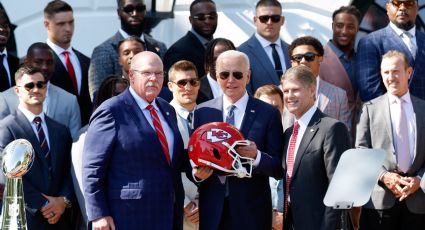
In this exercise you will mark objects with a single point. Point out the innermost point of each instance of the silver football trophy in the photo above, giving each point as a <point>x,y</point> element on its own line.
<point>17,160</point>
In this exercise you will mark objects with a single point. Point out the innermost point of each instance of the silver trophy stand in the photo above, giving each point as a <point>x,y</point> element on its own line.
<point>355,177</point>
<point>17,160</point>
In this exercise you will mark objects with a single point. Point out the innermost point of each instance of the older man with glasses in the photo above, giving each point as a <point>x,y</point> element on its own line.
<point>402,35</point>
<point>231,202</point>
<point>330,99</point>
<point>267,53</point>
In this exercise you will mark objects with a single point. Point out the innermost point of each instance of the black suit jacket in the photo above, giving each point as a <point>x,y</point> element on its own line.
<point>186,48</point>
<point>321,146</point>
<point>205,93</point>
<point>39,180</point>
<point>62,79</point>
<point>13,62</point>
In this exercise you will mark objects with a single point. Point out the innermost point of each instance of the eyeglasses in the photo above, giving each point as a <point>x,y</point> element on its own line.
<point>130,8</point>
<point>226,74</point>
<point>307,56</point>
<point>203,17</point>
<point>407,4</point>
<point>31,85</point>
<point>182,83</point>
<point>147,74</point>
<point>265,18</point>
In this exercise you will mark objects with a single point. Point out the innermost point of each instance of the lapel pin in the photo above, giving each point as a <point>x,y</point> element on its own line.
<point>252,111</point>
<point>311,130</point>
<point>168,114</point>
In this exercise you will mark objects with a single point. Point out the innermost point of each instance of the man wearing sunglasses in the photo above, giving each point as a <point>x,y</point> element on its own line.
<point>47,186</point>
<point>9,63</point>
<point>184,84</point>
<point>401,34</point>
<point>104,59</point>
<point>330,99</point>
<point>203,18</point>
<point>231,202</point>
<point>267,53</point>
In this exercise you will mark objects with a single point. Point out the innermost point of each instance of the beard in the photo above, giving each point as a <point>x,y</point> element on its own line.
<point>404,25</point>
<point>133,30</point>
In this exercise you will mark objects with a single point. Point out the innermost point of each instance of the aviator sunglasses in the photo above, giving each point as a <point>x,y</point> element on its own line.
<point>226,74</point>
<point>130,9</point>
<point>182,83</point>
<point>307,56</point>
<point>203,17</point>
<point>31,85</point>
<point>265,18</point>
<point>407,4</point>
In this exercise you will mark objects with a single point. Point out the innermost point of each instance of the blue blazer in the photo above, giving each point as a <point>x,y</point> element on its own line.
<point>126,175</point>
<point>368,61</point>
<point>262,69</point>
<point>249,198</point>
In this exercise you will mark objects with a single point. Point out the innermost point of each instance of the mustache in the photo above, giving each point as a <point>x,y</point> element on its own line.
<point>402,13</point>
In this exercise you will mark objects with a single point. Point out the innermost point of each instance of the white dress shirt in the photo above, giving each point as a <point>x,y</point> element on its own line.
<point>403,37</point>
<point>6,65</point>
<point>215,87</point>
<point>268,49</point>
<point>30,117</point>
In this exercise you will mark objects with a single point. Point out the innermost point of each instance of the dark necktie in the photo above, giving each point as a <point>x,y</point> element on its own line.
<point>4,78</point>
<point>43,141</point>
<point>290,163</point>
<point>189,121</point>
<point>276,60</point>
<point>71,72</point>
<point>230,118</point>
<point>159,132</point>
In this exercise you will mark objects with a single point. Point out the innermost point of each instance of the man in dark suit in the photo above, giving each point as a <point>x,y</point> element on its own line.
<point>104,59</point>
<point>401,34</point>
<point>191,47</point>
<point>8,62</point>
<point>313,146</point>
<point>47,185</point>
<point>395,122</point>
<point>71,66</point>
<point>231,202</point>
<point>132,178</point>
<point>267,53</point>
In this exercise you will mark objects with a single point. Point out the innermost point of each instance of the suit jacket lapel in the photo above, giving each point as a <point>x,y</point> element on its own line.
<point>387,118</point>
<point>420,120</point>
<point>258,51</point>
<point>309,133</point>
<point>322,96</point>
<point>249,117</point>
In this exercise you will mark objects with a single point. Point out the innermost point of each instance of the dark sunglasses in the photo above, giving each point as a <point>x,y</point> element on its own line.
<point>130,9</point>
<point>307,56</point>
<point>182,83</point>
<point>265,18</point>
<point>407,4</point>
<point>203,17</point>
<point>38,84</point>
<point>226,74</point>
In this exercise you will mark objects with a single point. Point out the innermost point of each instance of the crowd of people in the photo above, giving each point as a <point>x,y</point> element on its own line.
<point>110,133</point>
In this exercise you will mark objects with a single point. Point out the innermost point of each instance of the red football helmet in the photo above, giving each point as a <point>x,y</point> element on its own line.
<point>213,145</point>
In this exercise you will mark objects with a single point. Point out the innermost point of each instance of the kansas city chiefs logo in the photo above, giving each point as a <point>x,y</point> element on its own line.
<point>217,135</point>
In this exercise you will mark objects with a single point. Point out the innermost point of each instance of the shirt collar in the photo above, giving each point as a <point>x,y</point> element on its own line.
<point>336,50</point>
<point>306,117</point>
<point>264,43</point>
<point>57,49</point>
<point>29,115</point>
<point>400,32</point>
<point>240,104</point>
<point>394,99</point>
<point>181,111</point>
<point>126,35</point>
<point>4,53</point>
<point>203,40</point>
<point>142,103</point>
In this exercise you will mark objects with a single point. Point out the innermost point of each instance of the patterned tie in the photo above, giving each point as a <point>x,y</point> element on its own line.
<point>230,118</point>
<point>411,45</point>
<point>159,132</point>
<point>189,121</point>
<point>276,60</point>
<point>71,71</point>
<point>290,163</point>
<point>4,78</point>
<point>43,143</point>
<point>403,150</point>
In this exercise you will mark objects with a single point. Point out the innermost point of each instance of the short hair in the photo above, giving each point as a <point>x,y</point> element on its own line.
<point>349,10</point>
<point>56,6</point>
<point>120,3</point>
<point>307,40</point>
<point>396,53</point>
<point>233,53</point>
<point>130,38</point>
<point>38,45</point>
<point>107,89</point>
<point>28,70</point>
<point>301,74</point>
<point>183,66</point>
<point>264,3</point>
<point>199,1</point>
<point>209,51</point>
<point>268,90</point>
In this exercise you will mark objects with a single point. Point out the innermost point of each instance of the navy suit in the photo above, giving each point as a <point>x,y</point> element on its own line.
<point>38,179</point>
<point>368,61</point>
<point>126,174</point>
<point>249,198</point>
<point>205,93</point>
<point>262,69</point>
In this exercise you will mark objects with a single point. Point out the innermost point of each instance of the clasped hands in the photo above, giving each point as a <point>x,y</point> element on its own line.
<point>401,187</point>
<point>54,209</point>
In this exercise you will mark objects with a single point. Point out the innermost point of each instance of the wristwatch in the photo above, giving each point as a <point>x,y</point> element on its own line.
<point>67,202</point>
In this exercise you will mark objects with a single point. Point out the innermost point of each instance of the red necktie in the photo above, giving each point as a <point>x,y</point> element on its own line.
<point>71,71</point>
<point>159,132</point>
<point>43,141</point>
<point>290,163</point>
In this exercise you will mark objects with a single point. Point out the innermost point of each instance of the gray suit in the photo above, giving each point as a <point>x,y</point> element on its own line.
<point>104,59</point>
<point>374,131</point>
<point>63,107</point>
